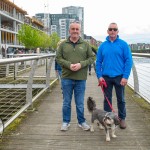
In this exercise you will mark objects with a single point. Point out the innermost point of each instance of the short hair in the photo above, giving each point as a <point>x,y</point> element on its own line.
<point>113,23</point>
<point>75,21</point>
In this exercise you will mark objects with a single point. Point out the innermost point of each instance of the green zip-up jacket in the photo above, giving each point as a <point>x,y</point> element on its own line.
<point>69,53</point>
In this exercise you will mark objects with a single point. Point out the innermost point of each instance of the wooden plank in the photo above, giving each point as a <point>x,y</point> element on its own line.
<point>40,130</point>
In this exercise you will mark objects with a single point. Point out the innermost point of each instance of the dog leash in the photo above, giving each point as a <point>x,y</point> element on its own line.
<point>103,85</point>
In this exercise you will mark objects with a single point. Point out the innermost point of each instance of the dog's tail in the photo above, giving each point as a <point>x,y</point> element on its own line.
<point>91,105</point>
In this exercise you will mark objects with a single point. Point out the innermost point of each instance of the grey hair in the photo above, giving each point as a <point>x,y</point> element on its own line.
<point>113,23</point>
<point>75,21</point>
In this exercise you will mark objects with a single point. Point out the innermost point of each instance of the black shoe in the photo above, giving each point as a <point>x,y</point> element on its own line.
<point>89,73</point>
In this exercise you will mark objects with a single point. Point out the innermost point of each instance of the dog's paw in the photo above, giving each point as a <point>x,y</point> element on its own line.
<point>101,127</point>
<point>114,136</point>
<point>92,130</point>
<point>107,139</point>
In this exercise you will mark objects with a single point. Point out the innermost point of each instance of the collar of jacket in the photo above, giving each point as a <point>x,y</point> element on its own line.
<point>79,41</point>
<point>107,38</point>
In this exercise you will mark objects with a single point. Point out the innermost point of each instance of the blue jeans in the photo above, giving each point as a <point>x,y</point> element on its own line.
<point>59,73</point>
<point>119,89</point>
<point>70,87</point>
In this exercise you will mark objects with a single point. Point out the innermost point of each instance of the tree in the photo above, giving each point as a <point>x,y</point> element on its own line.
<point>54,39</point>
<point>28,36</point>
<point>44,40</point>
<point>32,38</point>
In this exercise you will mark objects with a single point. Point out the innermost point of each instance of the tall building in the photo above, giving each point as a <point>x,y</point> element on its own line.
<point>46,19</point>
<point>79,11</point>
<point>59,23</point>
<point>11,17</point>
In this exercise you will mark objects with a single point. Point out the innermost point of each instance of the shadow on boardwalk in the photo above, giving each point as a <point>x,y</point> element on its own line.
<point>40,130</point>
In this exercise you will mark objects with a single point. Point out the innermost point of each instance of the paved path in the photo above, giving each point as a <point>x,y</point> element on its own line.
<point>40,130</point>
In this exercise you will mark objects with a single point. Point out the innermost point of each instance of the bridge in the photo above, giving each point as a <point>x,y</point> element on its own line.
<point>39,122</point>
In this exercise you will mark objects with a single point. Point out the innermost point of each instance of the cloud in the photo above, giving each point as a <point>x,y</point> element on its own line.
<point>135,29</point>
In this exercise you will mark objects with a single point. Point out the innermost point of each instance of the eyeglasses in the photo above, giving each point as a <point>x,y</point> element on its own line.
<point>114,29</point>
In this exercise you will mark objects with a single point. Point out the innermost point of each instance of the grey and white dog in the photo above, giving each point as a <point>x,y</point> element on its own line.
<point>106,120</point>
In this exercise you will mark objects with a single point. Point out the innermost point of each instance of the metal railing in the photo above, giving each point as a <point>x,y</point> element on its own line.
<point>25,79</point>
<point>27,76</point>
<point>139,79</point>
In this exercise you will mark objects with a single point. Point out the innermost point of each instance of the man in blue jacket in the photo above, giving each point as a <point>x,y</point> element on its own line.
<point>113,66</point>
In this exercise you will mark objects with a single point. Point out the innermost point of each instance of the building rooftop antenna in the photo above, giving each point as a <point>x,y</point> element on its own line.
<point>46,17</point>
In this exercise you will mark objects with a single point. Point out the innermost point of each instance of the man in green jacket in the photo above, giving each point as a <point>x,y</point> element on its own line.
<point>74,56</point>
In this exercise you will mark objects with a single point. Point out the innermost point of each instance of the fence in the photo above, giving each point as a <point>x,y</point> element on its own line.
<point>23,80</point>
<point>26,77</point>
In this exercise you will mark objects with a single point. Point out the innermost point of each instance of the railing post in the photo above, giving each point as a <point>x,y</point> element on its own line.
<point>135,79</point>
<point>15,70</point>
<point>30,82</point>
<point>7,69</point>
<point>48,69</point>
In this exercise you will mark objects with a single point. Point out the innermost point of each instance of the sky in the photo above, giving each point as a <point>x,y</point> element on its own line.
<point>132,16</point>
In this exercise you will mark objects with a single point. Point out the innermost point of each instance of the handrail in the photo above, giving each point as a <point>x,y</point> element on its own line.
<point>35,63</point>
<point>141,54</point>
<point>48,60</point>
<point>27,58</point>
<point>138,76</point>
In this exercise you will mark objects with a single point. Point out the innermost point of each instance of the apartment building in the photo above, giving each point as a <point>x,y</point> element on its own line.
<point>34,22</point>
<point>11,19</point>
<point>58,23</point>
<point>79,11</point>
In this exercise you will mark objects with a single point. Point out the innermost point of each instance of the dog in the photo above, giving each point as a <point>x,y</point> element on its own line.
<point>106,120</point>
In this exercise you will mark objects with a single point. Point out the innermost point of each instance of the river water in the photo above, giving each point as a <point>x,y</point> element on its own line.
<point>143,70</point>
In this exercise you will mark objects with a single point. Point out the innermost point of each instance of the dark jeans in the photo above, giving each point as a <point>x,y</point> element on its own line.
<point>90,67</point>
<point>119,89</point>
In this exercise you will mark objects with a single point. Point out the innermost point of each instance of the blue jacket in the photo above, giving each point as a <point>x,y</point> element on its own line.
<point>113,59</point>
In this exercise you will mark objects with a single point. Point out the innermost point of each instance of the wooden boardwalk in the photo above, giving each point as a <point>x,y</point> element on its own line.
<point>40,130</point>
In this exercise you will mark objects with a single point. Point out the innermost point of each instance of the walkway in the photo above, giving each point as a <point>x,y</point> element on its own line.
<point>40,130</point>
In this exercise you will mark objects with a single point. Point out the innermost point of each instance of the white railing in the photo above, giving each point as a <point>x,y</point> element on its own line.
<point>40,68</point>
<point>139,79</point>
<point>18,86</point>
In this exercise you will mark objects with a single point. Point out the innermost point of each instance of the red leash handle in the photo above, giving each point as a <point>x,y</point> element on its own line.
<point>104,85</point>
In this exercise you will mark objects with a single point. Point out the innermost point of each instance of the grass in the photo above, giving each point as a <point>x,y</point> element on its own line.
<point>138,99</point>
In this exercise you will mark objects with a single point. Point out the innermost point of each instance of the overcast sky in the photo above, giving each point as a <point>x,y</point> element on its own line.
<point>132,16</point>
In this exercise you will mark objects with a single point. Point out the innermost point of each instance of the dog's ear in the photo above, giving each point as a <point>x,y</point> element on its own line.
<point>90,98</point>
<point>91,105</point>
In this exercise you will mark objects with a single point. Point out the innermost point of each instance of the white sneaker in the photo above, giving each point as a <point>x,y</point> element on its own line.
<point>65,126</point>
<point>84,126</point>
